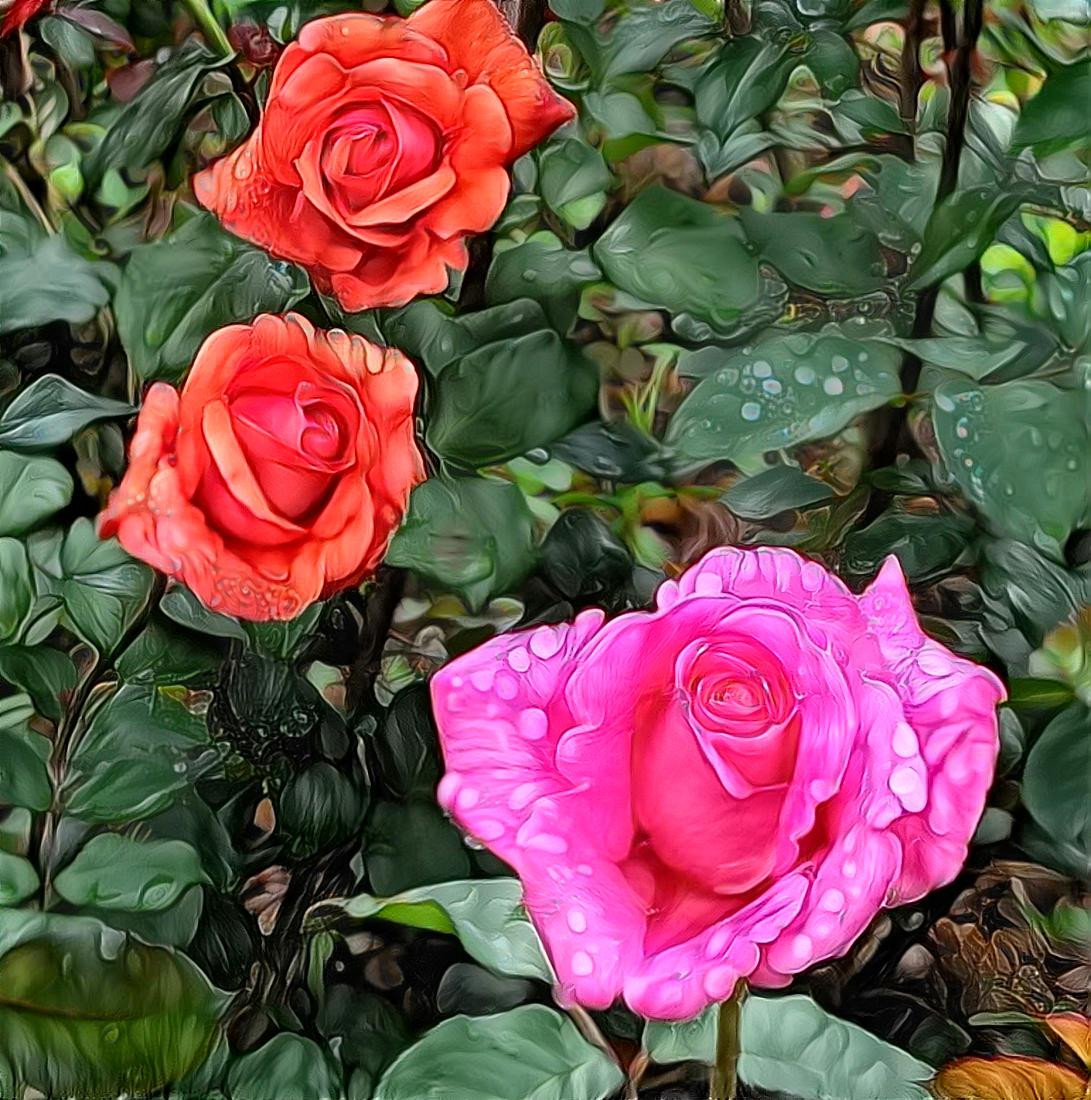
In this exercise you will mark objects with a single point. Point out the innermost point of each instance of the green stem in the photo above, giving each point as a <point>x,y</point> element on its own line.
<point>209,26</point>
<point>725,1073</point>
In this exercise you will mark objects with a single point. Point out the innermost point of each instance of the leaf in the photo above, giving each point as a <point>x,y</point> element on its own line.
<point>1066,654</point>
<point>18,880</point>
<point>543,269</point>
<point>46,674</point>
<point>47,281</point>
<point>791,1045</point>
<point>747,77</point>
<point>142,747</point>
<point>182,606</point>
<point>926,546</point>
<point>529,1053</point>
<point>287,1065</point>
<point>833,256</point>
<point>1008,1079</point>
<point>16,589</point>
<point>985,434</point>
<point>51,410</point>
<point>959,230</point>
<point>775,490</point>
<point>471,535</point>
<point>148,124</point>
<point>573,180</point>
<point>785,390</point>
<point>409,844</point>
<point>504,399</point>
<point>103,589</point>
<point>1055,784</point>
<point>678,254</point>
<point>30,490</point>
<point>638,42</point>
<point>1057,115</point>
<point>24,777</point>
<point>116,872</point>
<point>486,914</point>
<point>177,291</point>
<point>91,1011</point>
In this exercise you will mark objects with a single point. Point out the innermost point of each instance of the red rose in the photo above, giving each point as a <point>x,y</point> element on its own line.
<point>385,142</point>
<point>279,473</point>
<point>18,13</point>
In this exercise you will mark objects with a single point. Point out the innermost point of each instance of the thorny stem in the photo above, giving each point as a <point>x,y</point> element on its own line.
<point>209,26</point>
<point>725,1073</point>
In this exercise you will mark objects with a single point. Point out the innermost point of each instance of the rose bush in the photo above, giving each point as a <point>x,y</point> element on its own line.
<point>385,142</point>
<point>279,472</point>
<point>729,786</point>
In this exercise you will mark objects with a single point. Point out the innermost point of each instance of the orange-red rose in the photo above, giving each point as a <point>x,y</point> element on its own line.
<point>385,142</point>
<point>278,474</point>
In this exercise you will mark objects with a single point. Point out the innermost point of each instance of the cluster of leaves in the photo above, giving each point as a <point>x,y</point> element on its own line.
<point>808,273</point>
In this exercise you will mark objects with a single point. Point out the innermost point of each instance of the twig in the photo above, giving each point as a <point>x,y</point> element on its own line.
<point>590,1031</point>
<point>911,76</point>
<point>637,1068</point>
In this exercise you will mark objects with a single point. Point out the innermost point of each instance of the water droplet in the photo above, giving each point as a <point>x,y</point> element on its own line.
<point>771,386</point>
<point>762,369</point>
<point>804,375</point>
<point>839,364</point>
<point>833,386</point>
<point>751,410</point>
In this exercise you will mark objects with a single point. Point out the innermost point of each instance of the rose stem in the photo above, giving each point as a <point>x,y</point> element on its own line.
<point>209,26</point>
<point>725,1074</point>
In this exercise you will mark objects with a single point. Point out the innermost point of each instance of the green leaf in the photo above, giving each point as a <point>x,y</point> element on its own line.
<point>47,281</point>
<point>959,230</point>
<point>86,1010</point>
<point>471,535</point>
<point>31,489</point>
<point>24,776</point>
<point>177,291</point>
<point>573,180</point>
<point>833,62</point>
<point>1055,786</point>
<point>1066,654</point>
<point>18,880</point>
<point>182,606</point>
<point>148,124</point>
<point>791,1045</point>
<point>319,807</point>
<point>543,269</point>
<point>640,40</point>
<point>785,390</point>
<point>410,844</point>
<point>142,747</point>
<point>529,1053</point>
<point>51,410</point>
<point>985,434</point>
<point>103,589</point>
<point>504,399</point>
<point>778,489</point>
<point>1057,115</point>
<point>486,914</point>
<point>926,546</point>
<point>46,674</point>
<point>746,78</point>
<point>834,256</point>
<point>678,254</point>
<point>116,872</point>
<point>286,1066</point>
<point>16,588</point>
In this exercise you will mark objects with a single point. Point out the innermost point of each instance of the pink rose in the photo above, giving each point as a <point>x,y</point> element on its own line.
<point>731,785</point>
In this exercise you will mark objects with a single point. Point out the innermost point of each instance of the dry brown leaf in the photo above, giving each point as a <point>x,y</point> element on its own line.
<point>1008,1079</point>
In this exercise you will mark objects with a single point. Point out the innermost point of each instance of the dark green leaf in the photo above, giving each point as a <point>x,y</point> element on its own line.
<point>177,291</point>
<point>926,546</point>
<point>51,410</point>
<point>286,1066</point>
<point>785,390</point>
<point>504,399</point>
<point>411,844</point>
<point>18,879</point>
<point>778,489</point>
<point>24,777</point>
<point>1057,115</point>
<point>471,535</point>
<point>746,79</point>
<point>318,808</point>
<point>45,674</point>
<point>573,179</point>
<point>16,589</point>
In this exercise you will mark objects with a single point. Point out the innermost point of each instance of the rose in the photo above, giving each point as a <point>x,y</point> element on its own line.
<point>17,13</point>
<point>279,473</point>
<point>729,786</point>
<point>385,142</point>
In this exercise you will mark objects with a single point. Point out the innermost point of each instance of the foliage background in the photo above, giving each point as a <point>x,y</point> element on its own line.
<point>811,274</point>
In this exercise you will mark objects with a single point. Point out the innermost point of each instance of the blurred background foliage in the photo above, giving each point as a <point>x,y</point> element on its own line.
<point>812,274</point>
